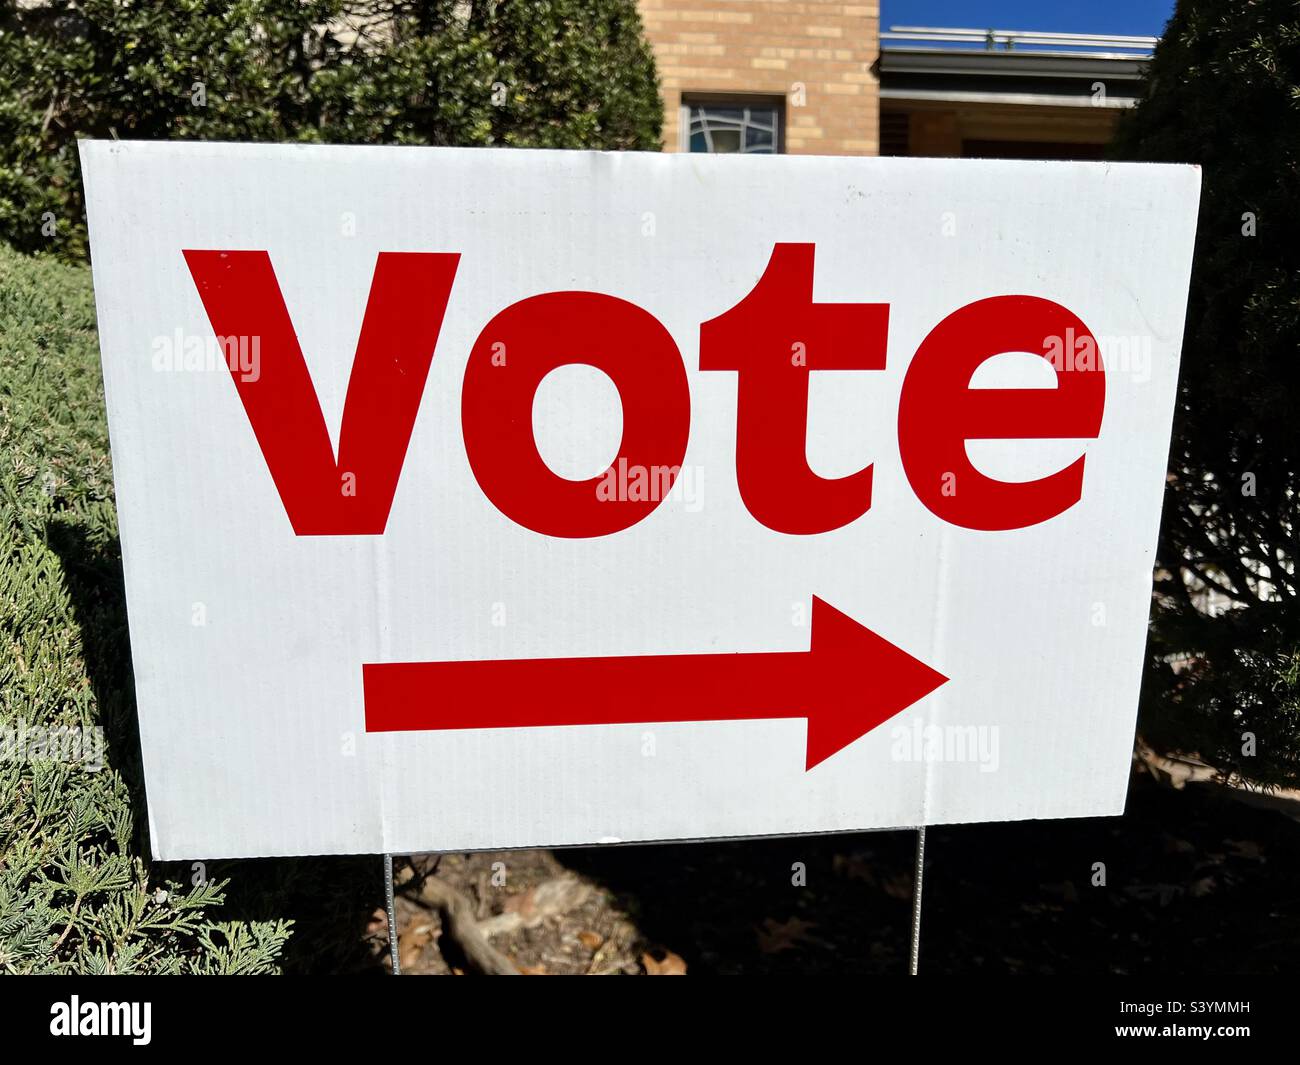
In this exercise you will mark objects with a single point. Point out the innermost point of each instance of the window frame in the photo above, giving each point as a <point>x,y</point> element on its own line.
<point>689,100</point>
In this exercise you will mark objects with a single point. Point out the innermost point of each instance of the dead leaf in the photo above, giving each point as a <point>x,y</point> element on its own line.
<point>591,940</point>
<point>1066,889</point>
<point>1245,848</point>
<point>411,944</point>
<point>524,904</point>
<point>898,886</point>
<point>1164,893</point>
<point>854,867</point>
<point>671,965</point>
<point>530,908</point>
<point>532,970</point>
<point>776,936</point>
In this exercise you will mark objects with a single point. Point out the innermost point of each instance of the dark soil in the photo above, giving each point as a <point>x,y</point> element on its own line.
<point>1186,882</point>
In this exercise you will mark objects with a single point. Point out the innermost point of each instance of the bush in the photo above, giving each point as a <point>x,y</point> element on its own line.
<point>1224,91</point>
<point>527,73</point>
<point>72,894</point>
<point>76,892</point>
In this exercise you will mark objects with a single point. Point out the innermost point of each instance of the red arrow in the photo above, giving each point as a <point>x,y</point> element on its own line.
<point>848,682</point>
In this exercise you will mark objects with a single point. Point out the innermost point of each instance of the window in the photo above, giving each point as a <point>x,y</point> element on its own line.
<point>739,126</point>
<point>895,133</point>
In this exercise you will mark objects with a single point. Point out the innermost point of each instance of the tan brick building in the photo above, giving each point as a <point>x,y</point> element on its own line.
<point>812,77</point>
<point>766,76</point>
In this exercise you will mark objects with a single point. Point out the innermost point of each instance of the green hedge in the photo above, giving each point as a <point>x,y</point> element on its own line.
<point>76,890</point>
<point>77,893</point>
<point>525,73</point>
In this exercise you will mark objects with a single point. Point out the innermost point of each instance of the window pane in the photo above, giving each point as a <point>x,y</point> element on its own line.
<point>733,129</point>
<point>726,140</point>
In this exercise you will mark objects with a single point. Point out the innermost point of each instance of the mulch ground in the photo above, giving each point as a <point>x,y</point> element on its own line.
<point>1195,882</point>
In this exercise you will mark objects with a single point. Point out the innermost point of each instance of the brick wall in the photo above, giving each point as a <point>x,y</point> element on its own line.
<point>775,48</point>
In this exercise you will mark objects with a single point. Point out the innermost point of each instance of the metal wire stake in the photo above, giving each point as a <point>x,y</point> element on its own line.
<point>918,881</point>
<point>392,914</point>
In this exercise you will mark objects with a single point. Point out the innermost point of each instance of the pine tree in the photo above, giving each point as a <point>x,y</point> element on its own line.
<point>1223,91</point>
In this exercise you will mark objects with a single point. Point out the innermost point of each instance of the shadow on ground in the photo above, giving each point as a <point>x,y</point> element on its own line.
<point>1189,882</point>
<point>1185,882</point>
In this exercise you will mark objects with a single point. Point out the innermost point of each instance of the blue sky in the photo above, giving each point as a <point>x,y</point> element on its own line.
<point>1062,16</point>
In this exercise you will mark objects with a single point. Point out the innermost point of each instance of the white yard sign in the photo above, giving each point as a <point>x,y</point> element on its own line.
<point>486,499</point>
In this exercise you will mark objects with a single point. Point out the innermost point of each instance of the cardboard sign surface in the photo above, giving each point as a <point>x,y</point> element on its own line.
<point>489,498</point>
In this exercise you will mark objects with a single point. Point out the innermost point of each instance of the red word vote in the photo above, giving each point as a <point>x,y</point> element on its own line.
<point>772,340</point>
